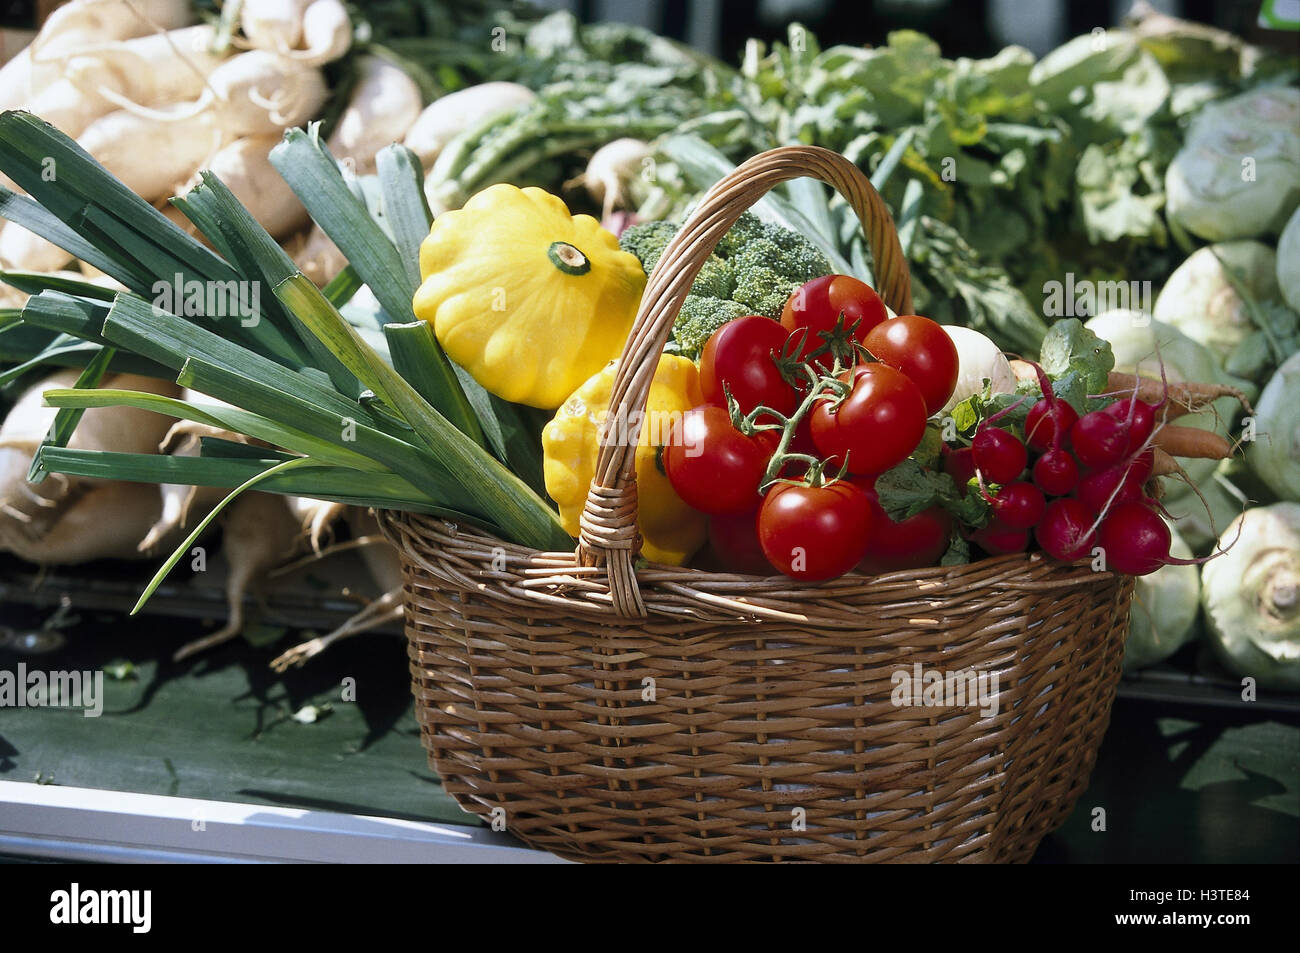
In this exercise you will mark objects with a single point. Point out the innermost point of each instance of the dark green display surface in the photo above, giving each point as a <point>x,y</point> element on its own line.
<point>1187,785</point>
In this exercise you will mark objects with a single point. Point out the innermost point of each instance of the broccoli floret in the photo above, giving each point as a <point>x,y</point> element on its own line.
<point>749,227</point>
<point>647,242</point>
<point>755,269</point>
<point>700,317</point>
<point>714,280</point>
<point>768,263</point>
<point>767,272</point>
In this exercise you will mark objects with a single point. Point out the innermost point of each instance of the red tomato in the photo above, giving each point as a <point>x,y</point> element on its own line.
<point>740,354</point>
<point>816,307</point>
<point>714,467</point>
<point>879,424</point>
<point>735,543</point>
<point>815,533</point>
<point>922,350</point>
<point>913,543</point>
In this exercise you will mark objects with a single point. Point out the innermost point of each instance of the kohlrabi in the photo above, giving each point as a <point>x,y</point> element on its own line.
<point>1274,453</point>
<point>1165,605</point>
<point>1251,596</point>
<point>1238,173</point>
<point>1200,519</point>
<point>1203,302</point>
<point>1288,262</point>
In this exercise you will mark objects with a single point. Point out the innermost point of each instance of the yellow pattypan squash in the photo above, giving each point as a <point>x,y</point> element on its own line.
<point>529,299</point>
<point>671,531</point>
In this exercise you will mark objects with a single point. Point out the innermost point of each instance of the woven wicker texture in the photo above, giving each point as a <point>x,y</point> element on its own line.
<point>610,713</point>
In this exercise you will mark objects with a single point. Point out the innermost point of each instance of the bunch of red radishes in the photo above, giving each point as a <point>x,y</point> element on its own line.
<point>1082,489</point>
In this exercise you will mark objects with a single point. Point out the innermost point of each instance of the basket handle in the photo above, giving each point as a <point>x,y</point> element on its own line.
<point>608,532</point>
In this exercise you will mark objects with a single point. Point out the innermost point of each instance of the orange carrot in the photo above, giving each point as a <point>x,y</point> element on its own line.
<point>1191,442</point>
<point>1189,395</point>
<point>1163,463</point>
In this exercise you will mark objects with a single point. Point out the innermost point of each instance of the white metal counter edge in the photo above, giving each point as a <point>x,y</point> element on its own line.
<point>85,824</point>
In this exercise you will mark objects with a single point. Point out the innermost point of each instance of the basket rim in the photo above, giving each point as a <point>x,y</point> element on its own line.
<point>518,573</point>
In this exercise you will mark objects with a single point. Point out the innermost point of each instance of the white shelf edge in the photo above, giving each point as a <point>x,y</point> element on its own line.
<point>87,824</point>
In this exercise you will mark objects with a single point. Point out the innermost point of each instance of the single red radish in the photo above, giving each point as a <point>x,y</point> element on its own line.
<point>1056,473</point>
<point>999,540</point>
<point>1101,489</point>
<point>1135,539</point>
<point>1099,439</point>
<point>1018,505</point>
<point>1048,422</point>
<point>1065,530</point>
<point>998,454</point>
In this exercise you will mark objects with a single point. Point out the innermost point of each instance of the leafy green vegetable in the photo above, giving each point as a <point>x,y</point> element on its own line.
<point>1071,347</point>
<point>292,376</point>
<point>909,488</point>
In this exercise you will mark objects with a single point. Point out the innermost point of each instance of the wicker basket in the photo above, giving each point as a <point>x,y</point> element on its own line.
<point>607,712</point>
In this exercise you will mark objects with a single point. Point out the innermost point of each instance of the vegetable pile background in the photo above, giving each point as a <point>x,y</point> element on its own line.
<point>1096,184</point>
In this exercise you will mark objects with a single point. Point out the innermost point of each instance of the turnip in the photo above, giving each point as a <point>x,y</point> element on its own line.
<point>386,570</point>
<point>1200,300</point>
<point>77,25</point>
<point>104,522</point>
<point>23,250</point>
<point>152,70</point>
<point>69,108</point>
<point>17,84</point>
<point>978,359</point>
<point>1206,191</point>
<point>254,93</point>
<point>612,169</point>
<point>122,429</point>
<point>384,104</point>
<point>1251,596</point>
<point>326,33</point>
<point>245,168</point>
<point>184,439</point>
<point>180,501</point>
<point>450,115</point>
<point>316,518</point>
<point>176,150</point>
<point>274,25</point>
<point>317,257</point>
<point>259,532</point>
<point>95,21</point>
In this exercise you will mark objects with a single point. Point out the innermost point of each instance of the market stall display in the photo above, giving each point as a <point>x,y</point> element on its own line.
<point>717,387</point>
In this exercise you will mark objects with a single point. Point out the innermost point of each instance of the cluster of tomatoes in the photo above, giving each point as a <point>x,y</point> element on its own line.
<point>799,419</point>
<point>1083,486</point>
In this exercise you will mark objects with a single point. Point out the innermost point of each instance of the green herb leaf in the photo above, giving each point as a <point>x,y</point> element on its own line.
<point>1069,346</point>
